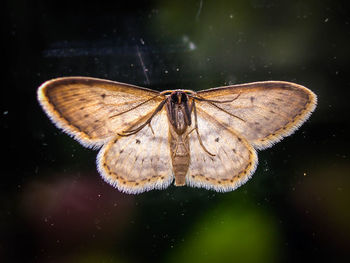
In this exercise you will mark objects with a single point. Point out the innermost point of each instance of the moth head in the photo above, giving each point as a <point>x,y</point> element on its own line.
<point>178,97</point>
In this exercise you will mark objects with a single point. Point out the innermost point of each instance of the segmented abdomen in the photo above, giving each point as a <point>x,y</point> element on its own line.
<point>180,155</point>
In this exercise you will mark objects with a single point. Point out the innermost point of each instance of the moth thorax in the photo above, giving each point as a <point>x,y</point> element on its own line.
<point>179,113</point>
<point>180,119</point>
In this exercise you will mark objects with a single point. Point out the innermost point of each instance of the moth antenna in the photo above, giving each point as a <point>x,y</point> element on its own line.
<point>213,101</point>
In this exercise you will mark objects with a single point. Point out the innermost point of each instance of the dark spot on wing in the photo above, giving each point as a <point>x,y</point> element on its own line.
<point>103,96</point>
<point>138,141</point>
<point>252,99</point>
<point>217,139</point>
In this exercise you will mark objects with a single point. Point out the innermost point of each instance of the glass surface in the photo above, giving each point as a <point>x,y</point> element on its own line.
<point>56,208</point>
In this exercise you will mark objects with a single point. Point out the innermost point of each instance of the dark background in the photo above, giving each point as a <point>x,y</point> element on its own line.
<point>54,207</point>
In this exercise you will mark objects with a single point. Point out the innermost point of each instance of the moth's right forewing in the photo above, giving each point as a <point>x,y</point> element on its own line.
<point>94,110</point>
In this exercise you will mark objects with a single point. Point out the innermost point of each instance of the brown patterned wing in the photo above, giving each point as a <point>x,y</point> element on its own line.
<point>234,159</point>
<point>94,110</point>
<point>139,162</point>
<point>261,112</point>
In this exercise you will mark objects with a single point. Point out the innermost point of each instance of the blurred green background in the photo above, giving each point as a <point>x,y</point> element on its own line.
<point>54,207</point>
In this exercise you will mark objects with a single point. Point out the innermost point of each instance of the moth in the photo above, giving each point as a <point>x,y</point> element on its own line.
<point>148,138</point>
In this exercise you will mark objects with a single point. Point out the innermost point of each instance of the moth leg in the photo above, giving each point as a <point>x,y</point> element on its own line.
<point>177,146</point>
<point>150,126</point>
<point>189,133</point>
<point>196,129</point>
<point>136,130</point>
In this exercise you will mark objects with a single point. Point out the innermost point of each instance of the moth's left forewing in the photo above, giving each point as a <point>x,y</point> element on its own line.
<point>262,112</point>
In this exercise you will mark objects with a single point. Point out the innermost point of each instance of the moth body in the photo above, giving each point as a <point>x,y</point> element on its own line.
<point>179,116</point>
